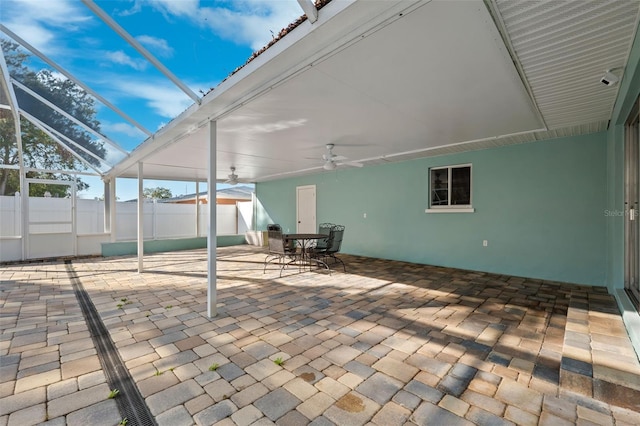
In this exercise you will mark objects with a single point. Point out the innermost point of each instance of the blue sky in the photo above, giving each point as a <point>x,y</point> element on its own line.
<point>200,41</point>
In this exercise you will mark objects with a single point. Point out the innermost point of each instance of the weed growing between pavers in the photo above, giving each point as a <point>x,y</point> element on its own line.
<point>114,393</point>
<point>124,301</point>
<point>213,367</point>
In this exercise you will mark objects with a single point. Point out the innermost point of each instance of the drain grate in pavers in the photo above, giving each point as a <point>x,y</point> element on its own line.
<point>129,401</point>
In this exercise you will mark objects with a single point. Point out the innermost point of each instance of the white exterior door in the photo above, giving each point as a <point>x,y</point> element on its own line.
<point>306,209</point>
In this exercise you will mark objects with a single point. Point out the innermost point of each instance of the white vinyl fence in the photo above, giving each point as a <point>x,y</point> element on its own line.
<point>161,221</point>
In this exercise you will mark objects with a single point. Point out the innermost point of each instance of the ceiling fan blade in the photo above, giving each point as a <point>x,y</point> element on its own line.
<point>351,163</point>
<point>339,158</point>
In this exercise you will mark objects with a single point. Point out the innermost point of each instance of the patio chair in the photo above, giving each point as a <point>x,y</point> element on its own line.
<point>334,244</point>
<point>277,250</point>
<point>324,228</point>
<point>289,245</point>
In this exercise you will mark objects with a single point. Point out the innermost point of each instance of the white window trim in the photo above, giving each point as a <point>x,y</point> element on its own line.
<point>444,209</point>
<point>455,208</point>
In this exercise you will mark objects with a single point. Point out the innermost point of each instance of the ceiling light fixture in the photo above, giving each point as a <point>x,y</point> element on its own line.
<point>609,78</point>
<point>329,165</point>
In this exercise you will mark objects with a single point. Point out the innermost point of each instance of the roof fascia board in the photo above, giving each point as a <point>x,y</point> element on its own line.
<point>140,49</point>
<point>265,72</point>
<point>64,72</point>
<point>67,115</point>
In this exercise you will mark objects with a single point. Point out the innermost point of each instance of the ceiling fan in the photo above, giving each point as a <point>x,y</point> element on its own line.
<point>233,177</point>
<point>331,161</point>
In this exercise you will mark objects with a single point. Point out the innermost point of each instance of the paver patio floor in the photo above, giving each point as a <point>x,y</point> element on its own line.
<point>387,343</point>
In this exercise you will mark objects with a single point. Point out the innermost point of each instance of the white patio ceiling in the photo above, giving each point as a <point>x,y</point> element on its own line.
<point>398,88</point>
<point>394,80</point>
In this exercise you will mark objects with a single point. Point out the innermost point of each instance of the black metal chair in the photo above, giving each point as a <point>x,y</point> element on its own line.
<point>277,249</point>
<point>334,244</point>
<point>289,245</point>
<point>323,228</point>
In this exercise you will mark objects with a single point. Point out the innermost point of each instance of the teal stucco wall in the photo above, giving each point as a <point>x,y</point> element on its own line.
<point>541,207</point>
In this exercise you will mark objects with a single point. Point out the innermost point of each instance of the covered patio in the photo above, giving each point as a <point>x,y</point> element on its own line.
<point>386,343</point>
<point>508,296</point>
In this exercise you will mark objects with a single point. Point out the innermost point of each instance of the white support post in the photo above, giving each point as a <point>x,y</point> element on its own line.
<point>197,209</point>
<point>140,218</point>
<point>24,206</point>
<point>112,210</point>
<point>74,216</point>
<point>212,297</point>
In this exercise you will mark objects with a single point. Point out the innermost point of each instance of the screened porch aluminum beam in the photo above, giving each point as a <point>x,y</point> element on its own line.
<point>64,72</point>
<point>65,137</point>
<point>22,175</point>
<point>38,170</point>
<point>13,106</point>
<point>67,115</point>
<point>309,9</point>
<point>141,50</point>
<point>49,131</point>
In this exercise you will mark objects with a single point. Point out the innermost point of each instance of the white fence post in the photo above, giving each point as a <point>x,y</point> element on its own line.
<point>154,216</point>
<point>17,214</point>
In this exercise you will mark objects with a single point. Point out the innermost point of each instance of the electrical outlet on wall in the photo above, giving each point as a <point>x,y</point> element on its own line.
<point>485,243</point>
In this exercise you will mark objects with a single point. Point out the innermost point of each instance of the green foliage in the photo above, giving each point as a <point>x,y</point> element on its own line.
<point>113,393</point>
<point>213,367</point>
<point>123,422</point>
<point>39,150</point>
<point>158,193</point>
<point>279,361</point>
<point>158,373</point>
<point>124,301</point>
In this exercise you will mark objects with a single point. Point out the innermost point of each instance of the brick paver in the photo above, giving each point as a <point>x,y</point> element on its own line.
<point>386,343</point>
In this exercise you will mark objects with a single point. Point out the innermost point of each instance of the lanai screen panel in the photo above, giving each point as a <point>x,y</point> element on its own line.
<point>57,118</point>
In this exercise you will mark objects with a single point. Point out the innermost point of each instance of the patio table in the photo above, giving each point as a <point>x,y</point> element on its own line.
<point>304,241</point>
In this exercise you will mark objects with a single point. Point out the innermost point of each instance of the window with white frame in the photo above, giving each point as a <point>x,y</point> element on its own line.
<point>450,188</point>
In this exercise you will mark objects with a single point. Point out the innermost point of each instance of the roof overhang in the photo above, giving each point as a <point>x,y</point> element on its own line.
<point>383,81</point>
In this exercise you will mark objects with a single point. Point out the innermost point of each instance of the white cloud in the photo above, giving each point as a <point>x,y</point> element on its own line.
<point>122,128</point>
<point>158,45</point>
<point>248,22</point>
<point>177,8</point>
<point>37,23</point>
<point>121,58</point>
